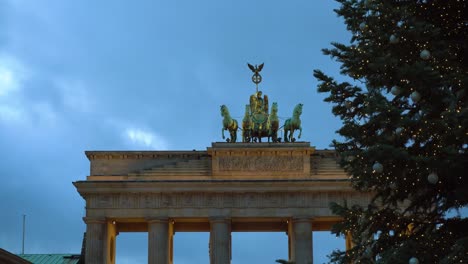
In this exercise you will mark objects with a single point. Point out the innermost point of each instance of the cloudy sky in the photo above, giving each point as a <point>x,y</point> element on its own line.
<point>144,75</point>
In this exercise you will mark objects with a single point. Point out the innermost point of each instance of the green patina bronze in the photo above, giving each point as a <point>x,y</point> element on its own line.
<point>247,125</point>
<point>273,123</point>
<point>258,122</point>
<point>229,124</point>
<point>292,124</point>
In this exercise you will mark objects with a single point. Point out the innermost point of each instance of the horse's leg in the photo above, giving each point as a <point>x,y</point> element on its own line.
<point>300,132</point>
<point>233,137</point>
<point>222,132</point>
<point>233,134</point>
<point>291,132</point>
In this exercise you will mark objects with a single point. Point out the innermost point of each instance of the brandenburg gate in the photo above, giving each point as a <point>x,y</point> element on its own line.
<point>230,187</point>
<point>242,187</point>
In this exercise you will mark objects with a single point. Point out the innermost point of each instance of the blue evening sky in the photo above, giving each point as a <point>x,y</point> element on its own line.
<point>145,75</point>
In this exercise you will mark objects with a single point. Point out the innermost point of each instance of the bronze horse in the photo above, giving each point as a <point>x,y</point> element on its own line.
<point>292,124</point>
<point>229,124</point>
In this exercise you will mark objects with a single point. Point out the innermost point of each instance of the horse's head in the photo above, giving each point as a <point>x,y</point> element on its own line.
<point>298,109</point>
<point>274,107</point>
<point>224,110</point>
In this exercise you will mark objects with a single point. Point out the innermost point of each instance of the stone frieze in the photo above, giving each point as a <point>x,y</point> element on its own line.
<point>222,200</point>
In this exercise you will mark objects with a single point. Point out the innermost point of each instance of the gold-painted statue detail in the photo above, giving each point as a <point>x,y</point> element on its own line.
<point>258,122</point>
<point>258,104</point>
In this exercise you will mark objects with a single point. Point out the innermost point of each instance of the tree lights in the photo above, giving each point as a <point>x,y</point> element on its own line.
<point>405,121</point>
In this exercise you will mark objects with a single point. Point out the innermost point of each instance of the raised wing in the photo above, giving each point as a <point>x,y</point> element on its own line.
<point>251,67</point>
<point>260,67</point>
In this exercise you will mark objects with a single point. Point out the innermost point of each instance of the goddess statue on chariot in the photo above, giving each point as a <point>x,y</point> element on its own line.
<point>258,122</point>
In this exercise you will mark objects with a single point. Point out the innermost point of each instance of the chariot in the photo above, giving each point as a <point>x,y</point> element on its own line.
<point>258,121</point>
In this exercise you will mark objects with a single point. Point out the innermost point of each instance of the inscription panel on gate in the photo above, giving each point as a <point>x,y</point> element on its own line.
<point>265,163</point>
<point>261,160</point>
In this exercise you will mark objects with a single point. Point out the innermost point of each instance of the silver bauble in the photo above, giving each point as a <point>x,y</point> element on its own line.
<point>415,96</point>
<point>363,26</point>
<point>394,39</point>
<point>413,260</point>
<point>398,131</point>
<point>377,167</point>
<point>425,54</point>
<point>432,178</point>
<point>395,90</point>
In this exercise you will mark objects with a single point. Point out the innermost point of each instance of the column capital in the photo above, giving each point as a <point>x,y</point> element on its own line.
<point>94,220</point>
<point>162,220</point>
<point>220,219</point>
<point>302,219</point>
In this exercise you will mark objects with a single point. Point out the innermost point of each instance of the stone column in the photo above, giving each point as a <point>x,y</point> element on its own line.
<point>96,235</point>
<point>220,241</point>
<point>300,240</point>
<point>171,242</point>
<point>158,241</point>
<point>111,239</point>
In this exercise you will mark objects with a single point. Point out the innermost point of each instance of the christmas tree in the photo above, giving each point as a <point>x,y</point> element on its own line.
<point>405,130</point>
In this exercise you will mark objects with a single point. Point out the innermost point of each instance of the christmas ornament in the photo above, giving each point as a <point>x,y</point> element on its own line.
<point>413,260</point>
<point>394,39</point>
<point>377,167</point>
<point>415,96</point>
<point>395,90</point>
<point>368,252</point>
<point>432,178</point>
<point>363,26</point>
<point>398,131</point>
<point>425,54</point>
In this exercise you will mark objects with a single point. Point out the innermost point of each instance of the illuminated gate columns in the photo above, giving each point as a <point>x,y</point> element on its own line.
<point>241,187</point>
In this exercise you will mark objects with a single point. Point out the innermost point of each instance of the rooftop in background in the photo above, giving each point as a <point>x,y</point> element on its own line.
<point>7,257</point>
<point>52,258</point>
